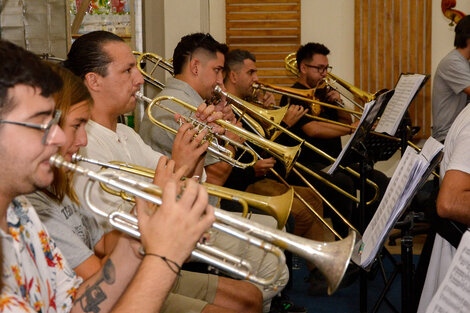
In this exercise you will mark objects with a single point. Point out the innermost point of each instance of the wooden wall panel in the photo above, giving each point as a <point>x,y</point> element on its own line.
<point>393,37</point>
<point>270,29</point>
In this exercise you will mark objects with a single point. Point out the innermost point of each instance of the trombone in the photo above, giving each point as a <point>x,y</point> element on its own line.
<point>331,80</point>
<point>145,60</point>
<point>331,258</point>
<point>288,155</point>
<point>307,95</point>
<point>277,206</point>
<point>253,109</point>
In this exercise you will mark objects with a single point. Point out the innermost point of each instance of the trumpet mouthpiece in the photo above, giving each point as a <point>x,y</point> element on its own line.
<point>56,160</point>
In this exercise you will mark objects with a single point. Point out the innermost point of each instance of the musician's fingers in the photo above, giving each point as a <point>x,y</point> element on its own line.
<point>201,202</point>
<point>161,165</point>
<point>201,109</point>
<point>180,134</point>
<point>178,175</point>
<point>189,194</point>
<point>169,193</point>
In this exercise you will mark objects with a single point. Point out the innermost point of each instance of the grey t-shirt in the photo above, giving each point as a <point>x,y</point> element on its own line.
<point>74,229</point>
<point>448,99</point>
<point>159,139</point>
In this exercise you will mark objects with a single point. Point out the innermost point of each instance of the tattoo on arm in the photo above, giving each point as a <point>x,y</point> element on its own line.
<point>94,295</point>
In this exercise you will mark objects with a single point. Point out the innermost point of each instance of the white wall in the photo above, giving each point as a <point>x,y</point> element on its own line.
<point>442,33</point>
<point>183,17</point>
<point>329,22</point>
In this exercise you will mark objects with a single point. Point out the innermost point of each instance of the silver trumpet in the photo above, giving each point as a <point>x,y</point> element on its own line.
<point>330,258</point>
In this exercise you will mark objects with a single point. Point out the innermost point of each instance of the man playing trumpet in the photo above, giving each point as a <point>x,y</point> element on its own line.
<point>108,68</point>
<point>36,276</point>
<point>198,62</point>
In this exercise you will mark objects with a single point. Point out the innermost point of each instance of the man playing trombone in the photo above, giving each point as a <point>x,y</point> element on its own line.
<point>198,62</point>
<point>240,74</point>
<point>108,68</point>
<point>313,67</point>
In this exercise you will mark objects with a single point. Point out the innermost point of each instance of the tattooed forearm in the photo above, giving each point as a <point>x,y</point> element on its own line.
<point>94,295</point>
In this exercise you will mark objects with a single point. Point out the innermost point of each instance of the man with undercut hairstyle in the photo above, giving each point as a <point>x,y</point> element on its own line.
<point>198,62</point>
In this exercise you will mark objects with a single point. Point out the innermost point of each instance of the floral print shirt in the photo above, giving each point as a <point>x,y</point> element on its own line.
<point>35,275</point>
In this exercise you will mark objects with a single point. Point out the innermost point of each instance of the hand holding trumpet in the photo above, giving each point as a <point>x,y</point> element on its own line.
<point>175,227</point>
<point>189,148</point>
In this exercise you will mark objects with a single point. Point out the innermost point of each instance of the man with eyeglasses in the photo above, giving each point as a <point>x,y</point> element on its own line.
<point>313,66</point>
<point>35,275</point>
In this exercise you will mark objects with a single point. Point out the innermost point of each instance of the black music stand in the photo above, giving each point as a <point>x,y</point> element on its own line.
<point>366,152</point>
<point>405,267</point>
<point>357,152</point>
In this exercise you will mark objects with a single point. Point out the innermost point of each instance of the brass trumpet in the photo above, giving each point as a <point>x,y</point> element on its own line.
<point>215,148</point>
<point>277,206</point>
<point>331,258</point>
<point>288,155</point>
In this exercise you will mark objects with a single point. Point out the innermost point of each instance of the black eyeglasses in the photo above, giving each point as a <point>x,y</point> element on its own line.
<point>321,69</point>
<point>45,127</point>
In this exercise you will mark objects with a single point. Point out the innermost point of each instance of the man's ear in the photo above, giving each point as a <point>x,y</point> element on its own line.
<point>92,81</point>
<point>303,68</point>
<point>233,77</point>
<point>194,66</point>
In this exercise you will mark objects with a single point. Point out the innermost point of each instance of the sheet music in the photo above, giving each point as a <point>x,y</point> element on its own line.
<point>405,90</point>
<point>367,107</point>
<point>369,115</point>
<point>453,295</point>
<point>402,186</point>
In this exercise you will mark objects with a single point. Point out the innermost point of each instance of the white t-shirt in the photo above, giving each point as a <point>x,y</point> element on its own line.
<point>106,145</point>
<point>456,157</point>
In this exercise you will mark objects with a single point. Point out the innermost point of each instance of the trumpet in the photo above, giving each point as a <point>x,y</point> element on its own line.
<point>277,206</point>
<point>287,154</point>
<point>217,150</point>
<point>331,259</point>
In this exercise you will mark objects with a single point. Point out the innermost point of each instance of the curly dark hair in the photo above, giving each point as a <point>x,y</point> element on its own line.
<point>19,66</point>
<point>309,50</point>
<point>462,32</point>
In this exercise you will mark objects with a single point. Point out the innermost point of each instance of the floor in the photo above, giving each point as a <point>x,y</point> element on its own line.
<point>347,299</point>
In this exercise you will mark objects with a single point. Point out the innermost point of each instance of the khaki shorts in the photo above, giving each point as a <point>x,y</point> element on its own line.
<point>191,292</point>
